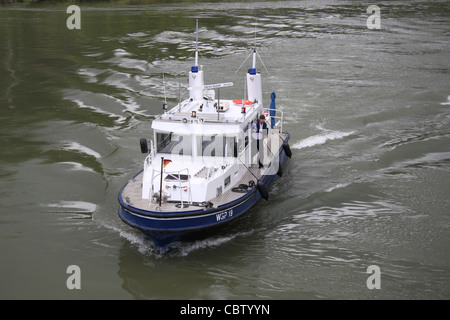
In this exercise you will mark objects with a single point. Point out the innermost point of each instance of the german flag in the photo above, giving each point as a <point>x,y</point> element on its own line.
<point>166,162</point>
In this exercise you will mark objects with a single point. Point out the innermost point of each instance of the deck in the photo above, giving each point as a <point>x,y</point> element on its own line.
<point>132,195</point>
<point>132,192</point>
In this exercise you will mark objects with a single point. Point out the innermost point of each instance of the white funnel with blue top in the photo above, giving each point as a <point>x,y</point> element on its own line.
<point>254,86</point>
<point>196,82</point>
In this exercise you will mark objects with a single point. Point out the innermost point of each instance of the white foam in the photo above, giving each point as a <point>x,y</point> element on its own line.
<point>133,64</point>
<point>80,148</point>
<point>79,206</point>
<point>447,102</point>
<point>337,186</point>
<point>137,34</point>
<point>77,166</point>
<point>87,72</point>
<point>321,139</point>
<point>186,248</point>
<point>135,238</point>
<point>81,104</point>
<point>429,158</point>
<point>145,246</point>
<point>171,37</point>
<point>121,53</point>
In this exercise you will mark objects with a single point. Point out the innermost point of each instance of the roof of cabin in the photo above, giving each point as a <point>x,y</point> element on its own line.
<point>201,116</point>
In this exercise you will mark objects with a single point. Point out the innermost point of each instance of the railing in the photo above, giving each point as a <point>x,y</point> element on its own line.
<point>278,116</point>
<point>176,177</point>
<point>151,156</point>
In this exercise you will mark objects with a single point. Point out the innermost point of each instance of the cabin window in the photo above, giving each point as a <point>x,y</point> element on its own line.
<point>207,145</point>
<point>230,147</point>
<point>227,181</point>
<point>243,139</point>
<point>216,145</point>
<point>174,143</point>
<point>162,142</point>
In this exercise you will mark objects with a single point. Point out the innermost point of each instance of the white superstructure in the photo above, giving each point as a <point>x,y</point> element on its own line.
<point>203,145</point>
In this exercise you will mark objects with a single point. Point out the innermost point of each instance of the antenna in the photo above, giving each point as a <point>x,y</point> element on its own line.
<point>196,43</point>
<point>179,97</point>
<point>262,62</point>
<point>196,83</point>
<point>245,91</point>
<point>254,50</point>
<point>243,62</point>
<point>255,34</point>
<point>254,61</point>
<point>243,108</point>
<point>164,83</point>
<point>254,53</point>
<point>165,99</point>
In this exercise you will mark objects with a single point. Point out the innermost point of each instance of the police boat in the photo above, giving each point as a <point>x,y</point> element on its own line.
<point>208,161</point>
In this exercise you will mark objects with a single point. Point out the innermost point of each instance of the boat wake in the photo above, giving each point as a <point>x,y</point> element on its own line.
<point>185,248</point>
<point>320,139</point>
<point>337,186</point>
<point>177,249</point>
<point>139,240</point>
<point>446,102</point>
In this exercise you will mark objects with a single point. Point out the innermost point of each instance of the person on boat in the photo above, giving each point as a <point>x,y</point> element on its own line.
<point>259,128</point>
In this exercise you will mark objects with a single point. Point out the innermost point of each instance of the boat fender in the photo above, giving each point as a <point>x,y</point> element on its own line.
<point>287,149</point>
<point>262,190</point>
<point>144,147</point>
<point>280,170</point>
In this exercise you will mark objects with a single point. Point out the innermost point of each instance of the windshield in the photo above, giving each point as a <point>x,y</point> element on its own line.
<point>215,145</point>
<point>173,143</point>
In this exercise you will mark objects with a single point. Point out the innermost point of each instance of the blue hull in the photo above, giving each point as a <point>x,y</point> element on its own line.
<point>164,228</point>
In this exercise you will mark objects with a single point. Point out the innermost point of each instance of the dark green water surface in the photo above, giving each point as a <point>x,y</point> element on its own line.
<point>368,184</point>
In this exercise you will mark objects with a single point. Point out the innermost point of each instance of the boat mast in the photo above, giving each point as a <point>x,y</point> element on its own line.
<point>196,83</point>
<point>254,86</point>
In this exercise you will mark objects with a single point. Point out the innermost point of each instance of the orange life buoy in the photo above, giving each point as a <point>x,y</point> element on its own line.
<point>239,102</point>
